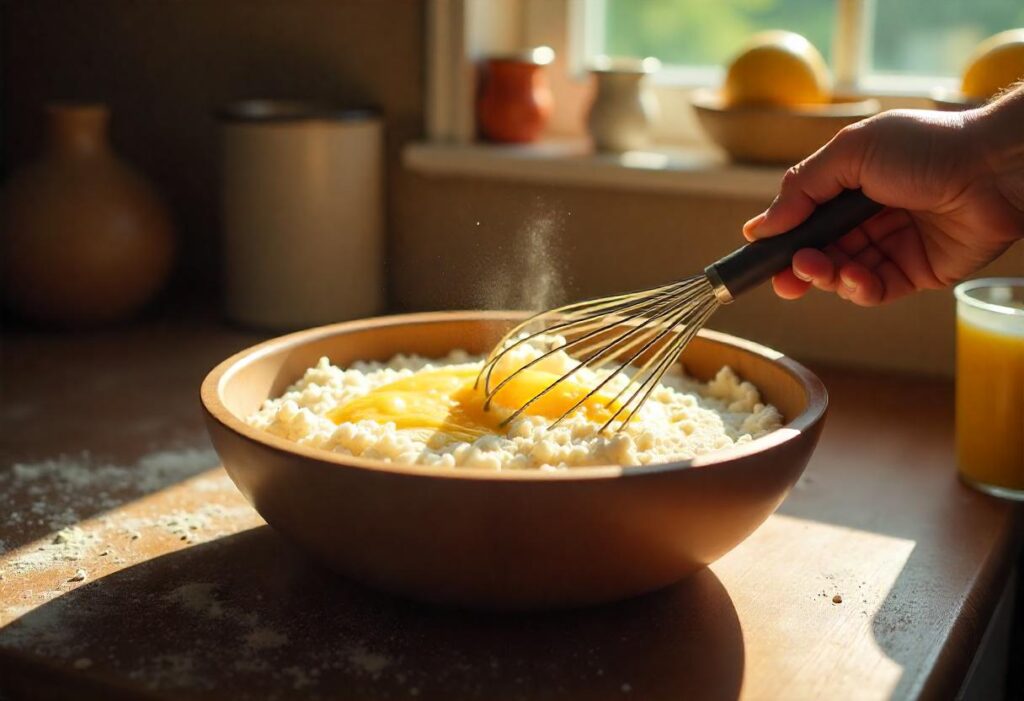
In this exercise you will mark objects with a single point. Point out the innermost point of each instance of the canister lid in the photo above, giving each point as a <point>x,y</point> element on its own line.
<point>269,110</point>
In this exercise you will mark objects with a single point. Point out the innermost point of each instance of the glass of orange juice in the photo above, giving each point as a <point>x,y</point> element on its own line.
<point>990,385</point>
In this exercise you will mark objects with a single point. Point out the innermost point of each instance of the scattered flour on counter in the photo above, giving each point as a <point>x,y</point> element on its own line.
<point>265,638</point>
<point>196,597</point>
<point>301,679</point>
<point>367,662</point>
<point>164,467</point>
<point>228,632</point>
<point>170,670</point>
<point>69,544</point>
<point>262,641</point>
<point>59,489</point>
<point>58,493</point>
<point>190,526</point>
<point>152,472</point>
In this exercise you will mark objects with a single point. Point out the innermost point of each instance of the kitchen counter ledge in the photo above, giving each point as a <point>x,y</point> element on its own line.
<point>131,567</point>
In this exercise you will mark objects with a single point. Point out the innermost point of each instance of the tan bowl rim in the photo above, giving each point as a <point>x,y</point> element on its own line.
<point>954,98</point>
<point>710,100</point>
<point>210,395</point>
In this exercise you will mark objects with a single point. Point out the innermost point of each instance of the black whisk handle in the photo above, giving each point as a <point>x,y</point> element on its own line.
<point>756,262</point>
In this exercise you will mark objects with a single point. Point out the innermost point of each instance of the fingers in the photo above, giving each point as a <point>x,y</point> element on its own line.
<point>818,178</point>
<point>849,279</point>
<point>788,286</point>
<point>905,245</point>
<point>814,266</point>
<point>860,285</point>
<point>810,267</point>
<point>753,225</point>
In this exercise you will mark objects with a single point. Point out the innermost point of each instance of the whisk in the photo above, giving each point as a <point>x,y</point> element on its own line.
<point>655,325</point>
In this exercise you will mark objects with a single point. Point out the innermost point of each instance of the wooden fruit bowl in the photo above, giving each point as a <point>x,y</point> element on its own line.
<point>953,101</point>
<point>775,135</point>
<point>504,540</point>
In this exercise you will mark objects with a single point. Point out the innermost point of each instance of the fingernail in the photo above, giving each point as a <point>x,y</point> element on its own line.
<point>848,283</point>
<point>802,276</point>
<point>752,224</point>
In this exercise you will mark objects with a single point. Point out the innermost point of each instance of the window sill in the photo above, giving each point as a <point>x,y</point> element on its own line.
<point>682,170</point>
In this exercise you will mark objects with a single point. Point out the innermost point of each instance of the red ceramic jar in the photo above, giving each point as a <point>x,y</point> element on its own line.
<point>515,98</point>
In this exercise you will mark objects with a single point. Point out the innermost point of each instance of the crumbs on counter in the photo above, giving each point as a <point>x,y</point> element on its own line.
<point>67,508</point>
<point>113,531</point>
<point>61,491</point>
<point>99,536</point>
<point>83,519</point>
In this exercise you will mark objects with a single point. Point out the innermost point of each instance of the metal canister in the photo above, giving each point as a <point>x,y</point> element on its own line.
<point>302,213</point>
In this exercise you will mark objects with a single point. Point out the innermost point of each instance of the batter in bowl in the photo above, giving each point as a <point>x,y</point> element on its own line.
<point>414,410</point>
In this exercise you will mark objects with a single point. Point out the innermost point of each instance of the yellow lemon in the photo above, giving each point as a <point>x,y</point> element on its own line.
<point>997,63</point>
<point>777,68</point>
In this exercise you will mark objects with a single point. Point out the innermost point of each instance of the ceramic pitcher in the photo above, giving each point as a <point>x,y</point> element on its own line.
<point>624,106</point>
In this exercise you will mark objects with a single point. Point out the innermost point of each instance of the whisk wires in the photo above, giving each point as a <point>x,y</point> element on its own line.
<point>652,326</point>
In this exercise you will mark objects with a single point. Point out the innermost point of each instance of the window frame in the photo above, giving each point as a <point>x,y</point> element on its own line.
<point>462,32</point>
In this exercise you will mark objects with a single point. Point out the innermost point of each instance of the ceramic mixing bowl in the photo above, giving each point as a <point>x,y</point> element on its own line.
<point>504,540</point>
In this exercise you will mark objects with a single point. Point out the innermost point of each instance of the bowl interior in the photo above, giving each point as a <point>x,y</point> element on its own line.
<point>267,370</point>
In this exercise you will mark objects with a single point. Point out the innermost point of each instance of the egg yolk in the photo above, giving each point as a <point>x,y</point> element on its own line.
<point>445,400</point>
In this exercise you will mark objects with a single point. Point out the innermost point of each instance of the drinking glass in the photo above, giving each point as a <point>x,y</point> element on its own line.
<point>990,385</point>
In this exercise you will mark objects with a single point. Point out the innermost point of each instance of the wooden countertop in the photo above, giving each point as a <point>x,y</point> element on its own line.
<point>132,568</point>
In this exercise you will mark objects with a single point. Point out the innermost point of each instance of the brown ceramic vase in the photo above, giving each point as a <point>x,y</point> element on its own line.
<point>85,239</point>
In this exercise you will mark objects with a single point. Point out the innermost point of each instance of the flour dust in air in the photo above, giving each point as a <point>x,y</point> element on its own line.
<point>526,272</point>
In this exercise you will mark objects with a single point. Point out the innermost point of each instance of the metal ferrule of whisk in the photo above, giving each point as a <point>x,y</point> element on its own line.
<point>718,285</point>
<point>643,333</point>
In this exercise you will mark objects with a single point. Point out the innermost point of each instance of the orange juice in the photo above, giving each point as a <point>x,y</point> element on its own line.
<point>990,388</point>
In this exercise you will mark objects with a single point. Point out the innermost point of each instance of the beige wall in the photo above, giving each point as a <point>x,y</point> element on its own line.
<point>608,240</point>
<point>165,66</point>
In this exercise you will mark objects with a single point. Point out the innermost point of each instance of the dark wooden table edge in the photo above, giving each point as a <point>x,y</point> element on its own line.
<point>951,666</point>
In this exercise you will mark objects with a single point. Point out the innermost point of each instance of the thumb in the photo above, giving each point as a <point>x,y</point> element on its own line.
<point>818,178</point>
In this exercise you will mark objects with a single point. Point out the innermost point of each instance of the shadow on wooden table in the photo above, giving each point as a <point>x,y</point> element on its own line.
<point>885,465</point>
<point>248,617</point>
<point>100,418</point>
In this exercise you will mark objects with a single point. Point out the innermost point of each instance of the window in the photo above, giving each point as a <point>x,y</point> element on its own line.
<point>699,33</point>
<point>896,50</point>
<point>925,37</point>
<point>886,39</point>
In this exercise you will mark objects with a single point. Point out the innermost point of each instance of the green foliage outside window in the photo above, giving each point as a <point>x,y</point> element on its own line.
<point>925,37</point>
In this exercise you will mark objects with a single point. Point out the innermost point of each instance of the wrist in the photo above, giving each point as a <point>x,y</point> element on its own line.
<point>995,130</point>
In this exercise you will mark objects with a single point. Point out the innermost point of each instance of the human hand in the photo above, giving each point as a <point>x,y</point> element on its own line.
<point>953,187</point>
